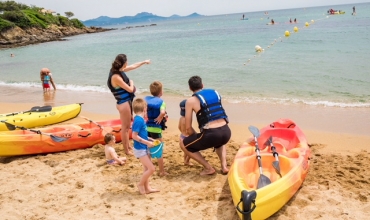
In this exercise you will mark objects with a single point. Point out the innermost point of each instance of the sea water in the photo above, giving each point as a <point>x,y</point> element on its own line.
<point>325,63</point>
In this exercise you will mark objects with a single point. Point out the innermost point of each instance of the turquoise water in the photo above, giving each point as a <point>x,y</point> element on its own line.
<point>325,63</point>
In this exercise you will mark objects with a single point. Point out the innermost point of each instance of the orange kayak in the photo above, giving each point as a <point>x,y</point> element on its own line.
<point>57,138</point>
<point>260,186</point>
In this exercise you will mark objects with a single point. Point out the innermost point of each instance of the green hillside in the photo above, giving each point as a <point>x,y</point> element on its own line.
<point>17,14</point>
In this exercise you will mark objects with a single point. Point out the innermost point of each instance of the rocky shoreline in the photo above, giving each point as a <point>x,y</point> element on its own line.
<point>16,37</point>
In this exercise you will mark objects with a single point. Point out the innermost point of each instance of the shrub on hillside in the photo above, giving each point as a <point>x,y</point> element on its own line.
<point>12,6</point>
<point>64,21</point>
<point>36,19</point>
<point>77,23</point>
<point>4,24</point>
<point>17,17</point>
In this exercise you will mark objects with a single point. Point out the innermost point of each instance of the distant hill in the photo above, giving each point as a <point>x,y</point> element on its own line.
<point>140,17</point>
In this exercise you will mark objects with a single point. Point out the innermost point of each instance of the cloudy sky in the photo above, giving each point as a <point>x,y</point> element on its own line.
<point>89,9</point>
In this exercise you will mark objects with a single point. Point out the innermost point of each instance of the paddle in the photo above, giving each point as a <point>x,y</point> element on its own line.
<point>276,163</point>
<point>46,108</point>
<point>100,126</point>
<point>12,127</point>
<point>263,180</point>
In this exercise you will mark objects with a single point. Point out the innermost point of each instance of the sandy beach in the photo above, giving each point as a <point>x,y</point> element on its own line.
<point>80,185</point>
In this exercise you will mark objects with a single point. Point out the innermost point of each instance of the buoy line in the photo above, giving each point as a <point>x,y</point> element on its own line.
<point>260,49</point>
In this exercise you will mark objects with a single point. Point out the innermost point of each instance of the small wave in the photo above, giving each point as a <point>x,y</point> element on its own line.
<point>290,101</point>
<point>70,87</point>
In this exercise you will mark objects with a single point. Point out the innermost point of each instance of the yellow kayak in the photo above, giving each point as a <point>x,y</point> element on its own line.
<point>264,176</point>
<point>40,116</point>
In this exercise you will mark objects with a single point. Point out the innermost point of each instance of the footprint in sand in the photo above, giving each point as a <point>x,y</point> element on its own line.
<point>79,185</point>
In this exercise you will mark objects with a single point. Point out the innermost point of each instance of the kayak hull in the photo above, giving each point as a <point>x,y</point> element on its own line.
<point>244,173</point>
<point>36,119</point>
<point>77,136</point>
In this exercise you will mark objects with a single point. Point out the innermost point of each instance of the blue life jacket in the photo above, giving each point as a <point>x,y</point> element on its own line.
<point>210,107</point>
<point>46,79</point>
<point>120,94</point>
<point>153,111</point>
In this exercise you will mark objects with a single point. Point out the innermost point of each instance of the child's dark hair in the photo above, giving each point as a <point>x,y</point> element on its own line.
<point>108,138</point>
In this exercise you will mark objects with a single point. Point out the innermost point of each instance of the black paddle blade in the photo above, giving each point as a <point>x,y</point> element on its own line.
<point>263,181</point>
<point>276,166</point>
<point>46,108</point>
<point>9,126</point>
<point>57,139</point>
<point>270,139</point>
<point>254,131</point>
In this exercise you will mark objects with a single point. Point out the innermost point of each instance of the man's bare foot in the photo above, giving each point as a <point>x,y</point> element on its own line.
<point>208,171</point>
<point>142,190</point>
<point>151,190</point>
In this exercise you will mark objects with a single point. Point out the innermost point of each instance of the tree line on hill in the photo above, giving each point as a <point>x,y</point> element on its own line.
<point>17,14</point>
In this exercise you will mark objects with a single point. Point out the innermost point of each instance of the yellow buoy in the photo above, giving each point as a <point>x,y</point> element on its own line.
<point>307,24</point>
<point>287,33</point>
<point>295,29</point>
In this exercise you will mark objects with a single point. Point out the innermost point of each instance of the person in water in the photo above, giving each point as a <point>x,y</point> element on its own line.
<point>354,10</point>
<point>46,79</point>
<point>123,90</point>
<point>295,20</point>
<point>272,21</point>
<point>212,122</point>
<point>290,20</point>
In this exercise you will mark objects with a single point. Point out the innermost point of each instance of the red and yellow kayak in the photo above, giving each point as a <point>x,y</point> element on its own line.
<point>244,175</point>
<point>73,136</point>
<point>40,116</point>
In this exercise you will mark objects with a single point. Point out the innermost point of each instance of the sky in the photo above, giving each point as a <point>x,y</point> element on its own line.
<point>90,9</point>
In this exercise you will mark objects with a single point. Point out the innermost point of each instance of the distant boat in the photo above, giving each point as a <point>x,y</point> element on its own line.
<point>335,12</point>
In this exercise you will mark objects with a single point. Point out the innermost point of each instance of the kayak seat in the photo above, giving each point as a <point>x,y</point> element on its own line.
<point>252,180</point>
<point>279,146</point>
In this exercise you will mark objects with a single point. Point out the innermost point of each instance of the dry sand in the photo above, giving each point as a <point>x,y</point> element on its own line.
<point>80,185</point>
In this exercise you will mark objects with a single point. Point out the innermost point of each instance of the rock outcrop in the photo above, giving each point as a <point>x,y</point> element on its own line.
<point>15,37</point>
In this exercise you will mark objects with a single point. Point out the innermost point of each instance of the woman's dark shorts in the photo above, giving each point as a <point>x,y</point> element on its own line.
<point>214,137</point>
